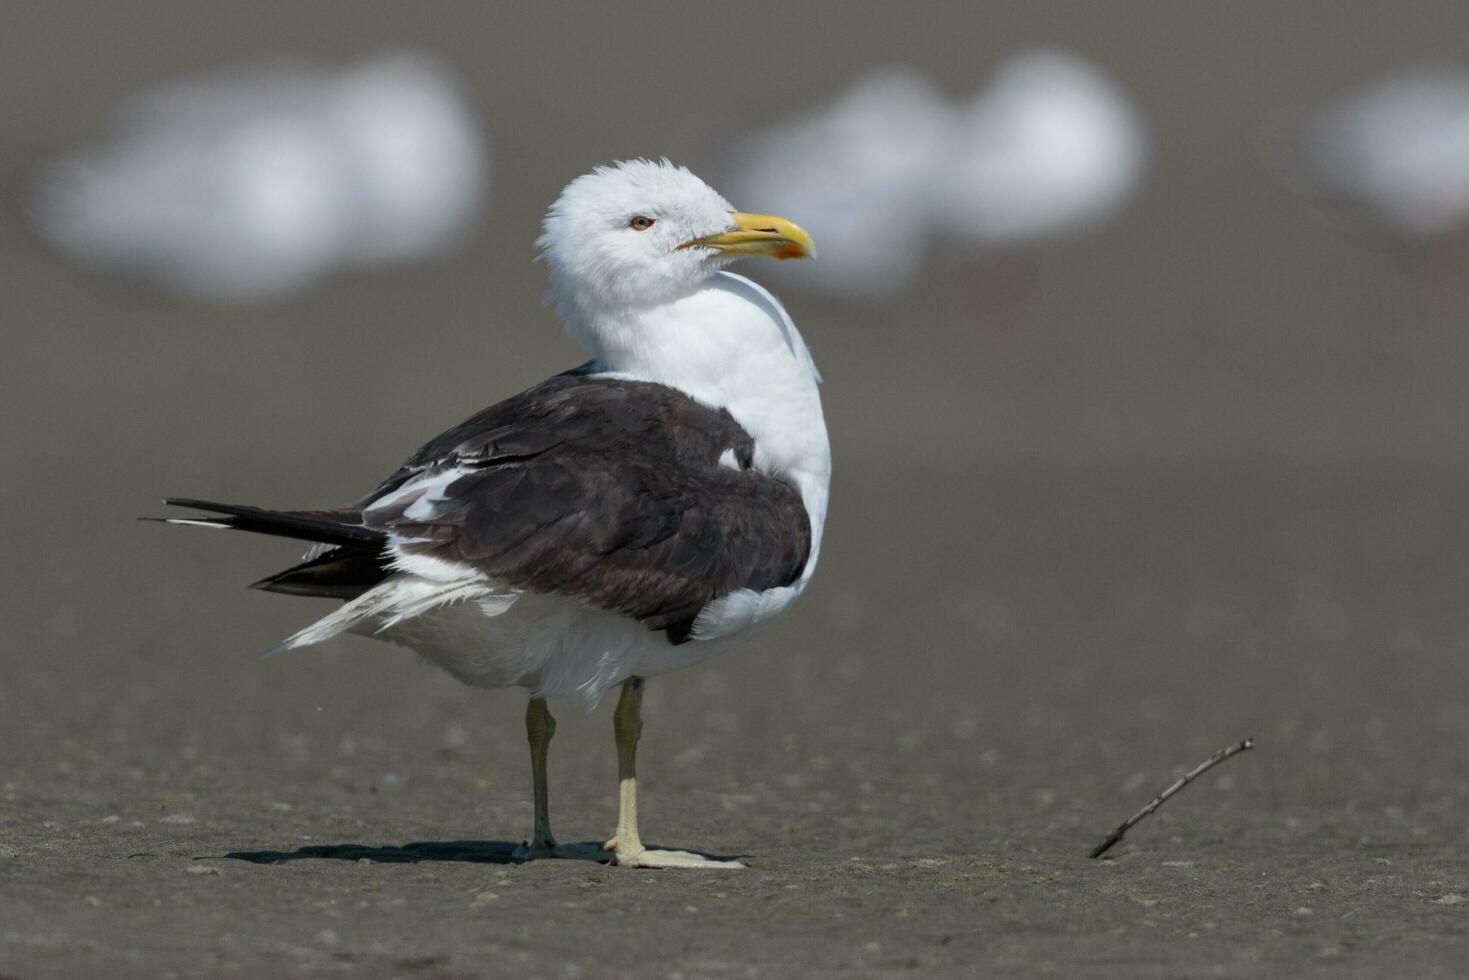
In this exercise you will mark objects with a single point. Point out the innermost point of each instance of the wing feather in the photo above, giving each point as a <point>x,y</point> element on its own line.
<point>607,490</point>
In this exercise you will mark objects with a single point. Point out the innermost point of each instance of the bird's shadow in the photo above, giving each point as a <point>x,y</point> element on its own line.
<point>469,851</point>
<point>472,851</point>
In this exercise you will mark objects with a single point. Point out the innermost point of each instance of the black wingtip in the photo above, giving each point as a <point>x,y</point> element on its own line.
<point>199,504</point>
<point>320,526</point>
<point>171,502</point>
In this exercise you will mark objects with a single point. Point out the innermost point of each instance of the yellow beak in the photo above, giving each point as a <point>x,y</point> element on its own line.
<point>760,234</point>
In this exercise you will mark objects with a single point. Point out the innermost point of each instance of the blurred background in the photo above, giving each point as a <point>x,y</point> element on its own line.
<point>1213,315</point>
<point>1144,351</point>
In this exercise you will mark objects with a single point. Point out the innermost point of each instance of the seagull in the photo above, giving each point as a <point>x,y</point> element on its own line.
<point>628,517</point>
<point>253,184</point>
<point>859,172</point>
<point>1396,152</point>
<point>1050,146</point>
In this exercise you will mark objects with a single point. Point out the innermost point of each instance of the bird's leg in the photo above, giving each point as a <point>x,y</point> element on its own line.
<point>539,727</point>
<point>627,728</point>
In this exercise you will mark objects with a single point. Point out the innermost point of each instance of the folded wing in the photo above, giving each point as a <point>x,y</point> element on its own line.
<point>625,495</point>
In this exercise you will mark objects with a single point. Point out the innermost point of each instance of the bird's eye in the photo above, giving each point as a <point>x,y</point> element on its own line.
<point>640,222</point>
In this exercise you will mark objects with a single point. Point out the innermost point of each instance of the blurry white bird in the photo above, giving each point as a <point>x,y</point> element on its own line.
<point>626,518</point>
<point>1050,146</point>
<point>252,185</point>
<point>1398,150</point>
<point>856,171</point>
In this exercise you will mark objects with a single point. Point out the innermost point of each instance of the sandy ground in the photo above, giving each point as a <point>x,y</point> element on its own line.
<point>916,764</point>
<point>1098,511</point>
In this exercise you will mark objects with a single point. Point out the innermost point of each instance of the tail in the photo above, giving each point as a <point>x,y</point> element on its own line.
<point>348,558</point>
<point>342,528</point>
<point>347,561</point>
<point>387,604</point>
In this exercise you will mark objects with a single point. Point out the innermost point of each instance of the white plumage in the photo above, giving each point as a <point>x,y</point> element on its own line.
<point>1398,149</point>
<point>857,171</point>
<point>1050,146</point>
<point>252,185</point>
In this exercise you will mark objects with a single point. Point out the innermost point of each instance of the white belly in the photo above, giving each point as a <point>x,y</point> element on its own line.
<point>559,649</point>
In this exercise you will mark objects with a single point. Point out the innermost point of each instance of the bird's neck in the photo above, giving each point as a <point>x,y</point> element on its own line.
<point>728,344</point>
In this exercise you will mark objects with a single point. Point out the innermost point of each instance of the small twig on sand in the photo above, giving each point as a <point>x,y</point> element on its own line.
<point>1158,800</point>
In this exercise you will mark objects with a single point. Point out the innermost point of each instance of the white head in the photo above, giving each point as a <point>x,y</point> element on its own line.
<point>641,233</point>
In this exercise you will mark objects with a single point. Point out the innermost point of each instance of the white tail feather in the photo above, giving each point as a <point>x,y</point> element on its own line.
<point>382,607</point>
<point>436,594</point>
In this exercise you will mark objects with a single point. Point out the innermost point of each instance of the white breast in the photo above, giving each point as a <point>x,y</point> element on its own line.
<point>732,345</point>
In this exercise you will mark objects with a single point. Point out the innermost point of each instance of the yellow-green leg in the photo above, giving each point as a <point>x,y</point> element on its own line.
<point>627,728</point>
<point>539,728</point>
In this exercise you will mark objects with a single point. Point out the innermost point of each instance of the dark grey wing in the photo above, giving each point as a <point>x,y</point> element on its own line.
<point>608,491</point>
<point>516,426</point>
